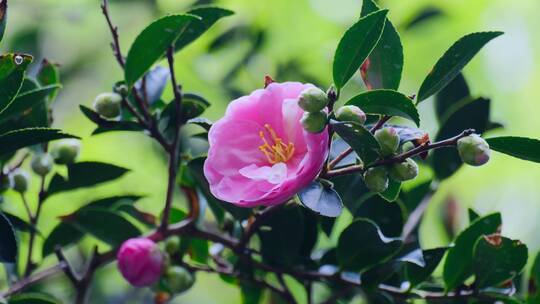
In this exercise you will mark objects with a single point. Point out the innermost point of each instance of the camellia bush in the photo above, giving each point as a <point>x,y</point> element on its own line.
<point>282,164</point>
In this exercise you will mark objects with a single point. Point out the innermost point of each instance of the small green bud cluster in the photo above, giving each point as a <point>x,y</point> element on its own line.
<point>352,114</point>
<point>473,150</point>
<point>42,164</point>
<point>66,151</point>
<point>108,105</point>
<point>313,101</point>
<point>19,180</point>
<point>388,140</point>
<point>376,179</point>
<point>177,279</point>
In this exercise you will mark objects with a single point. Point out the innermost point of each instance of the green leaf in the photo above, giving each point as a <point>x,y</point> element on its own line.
<point>26,101</point>
<point>105,225</point>
<point>455,91</point>
<point>414,196</point>
<point>356,45</point>
<point>386,102</point>
<point>520,147</point>
<point>3,18</point>
<point>360,139</point>
<point>12,70</point>
<point>282,236</point>
<point>388,216</point>
<point>33,298</point>
<point>497,260</point>
<point>533,295</point>
<point>153,42</point>
<point>386,59</point>
<point>392,192</point>
<point>48,75</point>
<point>15,140</point>
<point>62,235</point>
<point>323,200</point>
<point>105,125</point>
<point>8,241</point>
<point>20,224</point>
<point>473,215</point>
<point>110,203</point>
<point>209,15</point>
<point>470,113</point>
<point>416,274</point>
<point>250,294</point>
<point>453,61</point>
<point>459,261</point>
<point>85,174</point>
<point>362,245</point>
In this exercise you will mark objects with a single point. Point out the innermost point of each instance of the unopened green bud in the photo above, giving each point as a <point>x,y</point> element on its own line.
<point>473,150</point>
<point>314,122</point>
<point>376,179</point>
<point>108,105</point>
<point>19,180</point>
<point>65,152</point>
<point>404,171</point>
<point>178,279</point>
<point>172,245</point>
<point>42,164</point>
<point>351,113</point>
<point>312,100</point>
<point>388,140</point>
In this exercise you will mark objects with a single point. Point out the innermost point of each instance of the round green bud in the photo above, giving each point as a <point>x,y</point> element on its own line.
<point>178,279</point>
<point>388,140</point>
<point>172,245</point>
<point>42,164</point>
<point>314,122</point>
<point>404,171</point>
<point>4,183</point>
<point>376,179</point>
<point>473,150</point>
<point>108,105</point>
<point>351,113</point>
<point>19,180</point>
<point>65,152</point>
<point>312,100</point>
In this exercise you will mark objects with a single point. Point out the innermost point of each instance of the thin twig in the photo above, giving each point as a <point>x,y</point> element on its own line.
<point>114,32</point>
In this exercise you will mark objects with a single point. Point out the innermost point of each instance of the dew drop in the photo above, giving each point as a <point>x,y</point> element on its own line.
<point>18,59</point>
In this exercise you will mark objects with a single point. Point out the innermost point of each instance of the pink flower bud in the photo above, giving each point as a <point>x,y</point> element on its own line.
<point>140,261</point>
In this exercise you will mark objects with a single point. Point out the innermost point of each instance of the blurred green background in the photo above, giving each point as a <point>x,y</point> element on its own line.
<point>289,40</point>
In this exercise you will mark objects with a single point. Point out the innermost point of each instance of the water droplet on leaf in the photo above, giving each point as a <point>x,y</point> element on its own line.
<point>18,59</point>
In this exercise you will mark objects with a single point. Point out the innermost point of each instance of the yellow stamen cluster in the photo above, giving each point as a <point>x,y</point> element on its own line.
<point>278,152</point>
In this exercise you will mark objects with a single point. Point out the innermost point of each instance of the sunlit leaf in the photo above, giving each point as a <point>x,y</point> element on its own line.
<point>520,147</point>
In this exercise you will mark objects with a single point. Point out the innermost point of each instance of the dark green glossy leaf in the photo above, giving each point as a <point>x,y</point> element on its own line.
<point>20,224</point>
<point>451,94</point>
<point>453,61</point>
<point>33,298</point>
<point>105,125</point>
<point>250,294</point>
<point>12,70</point>
<point>459,261</point>
<point>49,75</point>
<point>209,15</point>
<point>392,192</point>
<point>388,216</point>
<point>282,236</point>
<point>204,123</point>
<point>472,215</point>
<point>356,45</point>
<point>520,147</point>
<point>85,174</point>
<point>386,102</point>
<point>107,226</point>
<point>8,241</point>
<point>152,43</point>
<point>414,196</point>
<point>26,101</point>
<point>3,18</point>
<point>470,113</point>
<point>352,190</point>
<point>111,203</point>
<point>360,139</point>
<point>362,245</point>
<point>62,235</point>
<point>417,274</point>
<point>321,199</point>
<point>15,140</point>
<point>533,295</point>
<point>380,273</point>
<point>386,59</point>
<point>497,260</point>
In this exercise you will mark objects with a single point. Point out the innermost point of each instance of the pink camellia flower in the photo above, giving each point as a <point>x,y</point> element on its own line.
<point>140,261</point>
<point>259,153</point>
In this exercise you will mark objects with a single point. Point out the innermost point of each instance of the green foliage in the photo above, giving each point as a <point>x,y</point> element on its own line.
<point>520,147</point>
<point>33,298</point>
<point>453,61</point>
<point>17,139</point>
<point>12,71</point>
<point>356,45</point>
<point>386,102</point>
<point>8,250</point>
<point>321,199</point>
<point>360,139</point>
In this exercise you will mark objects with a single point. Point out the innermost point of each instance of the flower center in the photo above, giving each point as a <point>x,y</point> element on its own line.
<point>275,151</point>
